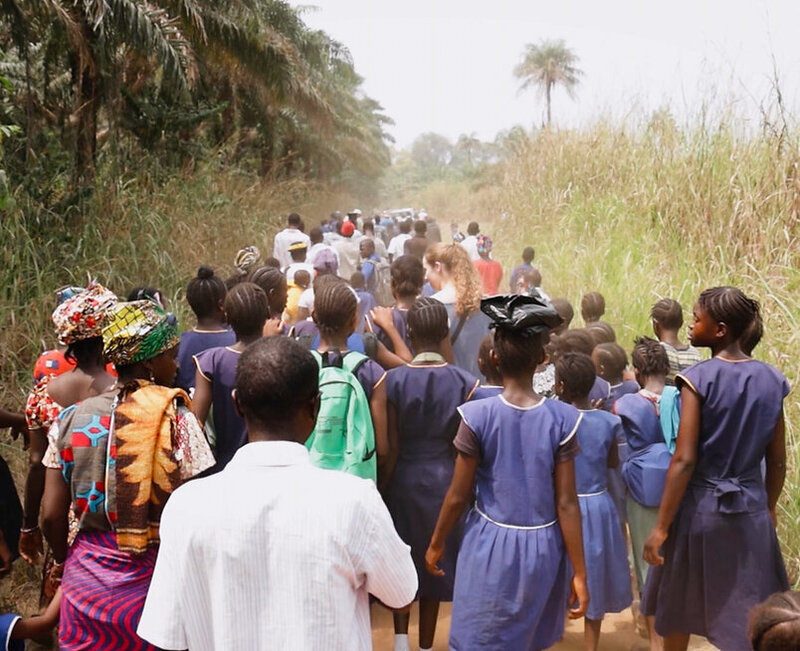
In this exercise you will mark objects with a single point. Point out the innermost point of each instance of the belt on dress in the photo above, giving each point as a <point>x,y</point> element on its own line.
<point>513,526</point>
<point>730,491</point>
<point>592,494</point>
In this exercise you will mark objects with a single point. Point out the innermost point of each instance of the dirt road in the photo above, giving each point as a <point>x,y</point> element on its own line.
<point>618,633</point>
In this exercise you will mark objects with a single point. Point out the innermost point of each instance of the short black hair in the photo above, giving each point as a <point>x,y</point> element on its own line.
<point>357,280</point>
<point>649,357</point>
<point>420,227</point>
<point>274,376</point>
<point>564,309</point>
<point>601,332</point>
<point>593,306</point>
<point>518,352</point>
<point>315,235</point>
<point>405,227</point>
<point>427,321</point>
<point>473,228</point>
<point>294,220</point>
<point>302,278</point>
<point>528,254</point>
<point>613,357</point>
<point>85,350</point>
<point>272,262</point>
<point>668,313</point>
<point>205,292</point>
<point>577,373</point>
<point>144,293</point>
<point>577,340</point>
<point>408,276</point>
<point>246,309</point>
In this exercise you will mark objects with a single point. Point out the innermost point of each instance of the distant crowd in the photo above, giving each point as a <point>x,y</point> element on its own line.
<point>373,416</point>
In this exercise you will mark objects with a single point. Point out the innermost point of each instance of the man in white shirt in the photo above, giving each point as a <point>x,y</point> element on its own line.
<point>273,553</point>
<point>397,243</point>
<point>470,242</point>
<point>288,236</point>
<point>317,238</point>
<point>297,253</point>
<point>348,250</point>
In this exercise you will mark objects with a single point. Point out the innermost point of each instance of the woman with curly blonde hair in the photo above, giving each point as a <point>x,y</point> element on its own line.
<point>451,273</point>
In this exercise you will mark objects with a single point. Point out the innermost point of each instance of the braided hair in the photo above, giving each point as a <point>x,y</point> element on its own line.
<point>649,357</point>
<point>730,306</point>
<point>668,313</point>
<point>775,624</point>
<point>427,321</point>
<point>246,309</point>
<point>612,356</point>
<point>273,282</point>
<point>408,276</point>
<point>205,292</point>
<point>593,306</point>
<point>335,305</point>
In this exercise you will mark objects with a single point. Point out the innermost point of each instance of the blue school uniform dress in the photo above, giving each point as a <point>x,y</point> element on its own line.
<point>616,485</point>
<point>512,575</point>
<point>604,550</point>
<point>486,391</point>
<point>194,342</point>
<point>722,556</point>
<point>426,395</point>
<point>7,623</point>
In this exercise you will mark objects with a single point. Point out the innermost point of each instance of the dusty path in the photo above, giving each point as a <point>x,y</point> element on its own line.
<point>618,633</point>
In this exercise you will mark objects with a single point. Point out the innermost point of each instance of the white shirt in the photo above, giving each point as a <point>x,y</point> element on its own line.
<point>273,553</point>
<point>397,244</point>
<point>349,256</point>
<point>306,300</point>
<point>470,244</point>
<point>283,240</point>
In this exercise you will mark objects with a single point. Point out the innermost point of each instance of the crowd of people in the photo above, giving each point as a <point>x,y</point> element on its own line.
<point>364,420</point>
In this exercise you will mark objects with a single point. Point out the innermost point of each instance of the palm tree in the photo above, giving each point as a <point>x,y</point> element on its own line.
<point>547,64</point>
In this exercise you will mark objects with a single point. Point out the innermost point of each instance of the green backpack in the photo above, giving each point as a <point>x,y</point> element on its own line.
<point>344,437</point>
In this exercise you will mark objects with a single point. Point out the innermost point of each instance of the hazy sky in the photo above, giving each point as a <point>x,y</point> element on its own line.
<point>446,65</point>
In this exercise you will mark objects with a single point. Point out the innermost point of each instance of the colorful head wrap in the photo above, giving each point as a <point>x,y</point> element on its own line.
<point>138,331</point>
<point>527,315</point>
<point>82,315</point>
<point>484,244</point>
<point>246,259</point>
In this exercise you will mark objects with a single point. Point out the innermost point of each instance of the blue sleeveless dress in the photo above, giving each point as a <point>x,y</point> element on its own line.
<point>604,550</point>
<point>722,556</point>
<point>512,576</point>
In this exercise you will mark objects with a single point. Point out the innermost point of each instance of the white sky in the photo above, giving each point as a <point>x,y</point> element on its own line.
<point>446,65</point>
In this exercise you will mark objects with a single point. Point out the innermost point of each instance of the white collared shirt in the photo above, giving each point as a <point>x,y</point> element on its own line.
<point>273,553</point>
<point>284,240</point>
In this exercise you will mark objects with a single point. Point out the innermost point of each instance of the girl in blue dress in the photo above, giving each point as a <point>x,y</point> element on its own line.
<point>604,550</point>
<point>714,546</point>
<point>423,398</point>
<point>516,454</point>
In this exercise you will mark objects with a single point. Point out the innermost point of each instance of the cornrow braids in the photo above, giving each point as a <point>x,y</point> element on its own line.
<point>613,357</point>
<point>246,309</point>
<point>649,357</point>
<point>601,332</point>
<point>408,276</point>
<point>593,306</point>
<point>577,340</point>
<point>335,307</point>
<point>427,321</point>
<point>751,337</point>
<point>775,623</point>
<point>577,373</point>
<point>730,306</point>
<point>205,291</point>
<point>273,282</point>
<point>668,313</point>
<point>456,262</point>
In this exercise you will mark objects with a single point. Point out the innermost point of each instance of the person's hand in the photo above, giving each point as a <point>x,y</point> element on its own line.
<point>272,327</point>
<point>382,316</point>
<point>432,557</point>
<point>52,581</point>
<point>652,548</point>
<point>6,557</point>
<point>21,430</point>
<point>579,594</point>
<point>31,546</point>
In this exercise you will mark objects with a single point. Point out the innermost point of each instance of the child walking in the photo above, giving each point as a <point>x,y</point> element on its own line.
<point>667,318</point>
<point>604,549</point>
<point>714,545</point>
<point>526,514</point>
<point>206,296</point>
<point>494,381</point>
<point>423,420</point>
<point>246,311</point>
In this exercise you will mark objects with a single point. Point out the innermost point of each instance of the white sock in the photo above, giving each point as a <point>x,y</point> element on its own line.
<point>401,642</point>
<point>430,648</point>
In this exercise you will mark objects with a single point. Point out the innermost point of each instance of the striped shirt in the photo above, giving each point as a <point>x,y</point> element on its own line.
<point>679,359</point>
<point>273,553</point>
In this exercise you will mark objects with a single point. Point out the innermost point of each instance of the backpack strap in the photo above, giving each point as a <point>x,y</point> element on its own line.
<point>353,360</point>
<point>461,321</point>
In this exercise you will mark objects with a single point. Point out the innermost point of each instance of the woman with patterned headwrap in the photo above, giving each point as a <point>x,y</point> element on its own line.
<point>122,454</point>
<point>78,323</point>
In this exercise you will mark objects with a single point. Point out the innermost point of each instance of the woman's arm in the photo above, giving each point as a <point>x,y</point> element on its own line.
<point>457,499</point>
<point>569,521</point>
<point>201,401</point>
<point>377,409</point>
<point>776,466</point>
<point>678,475</point>
<point>385,472</point>
<point>57,500</point>
<point>30,539</point>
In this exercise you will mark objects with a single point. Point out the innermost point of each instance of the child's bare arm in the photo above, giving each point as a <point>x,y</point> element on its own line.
<point>678,475</point>
<point>455,501</point>
<point>56,504</point>
<point>776,466</point>
<point>386,469</point>
<point>201,402</point>
<point>377,409</point>
<point>32,627</point>
<point>569,521</point>
<point>613,455</point>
